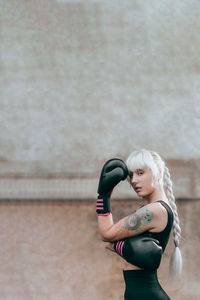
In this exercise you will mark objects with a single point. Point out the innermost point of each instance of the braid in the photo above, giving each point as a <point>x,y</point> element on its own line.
<point>170,195</point>
<point>176,258</point>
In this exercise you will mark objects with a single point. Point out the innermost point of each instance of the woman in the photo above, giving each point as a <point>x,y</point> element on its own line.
<point>150,179</point>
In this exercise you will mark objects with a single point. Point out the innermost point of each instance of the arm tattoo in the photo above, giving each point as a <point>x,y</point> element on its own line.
<point>142,217</point>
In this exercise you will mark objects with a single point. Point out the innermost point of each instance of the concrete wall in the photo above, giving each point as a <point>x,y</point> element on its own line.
<point>80,82</point>
<point>53,251</point>
<point>83,81</point>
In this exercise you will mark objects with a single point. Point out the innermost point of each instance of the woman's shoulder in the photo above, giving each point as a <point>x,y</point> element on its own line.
<point>160,215</point>
<point>158,208</point>
<point>155,210</point>
<point>159,204</point>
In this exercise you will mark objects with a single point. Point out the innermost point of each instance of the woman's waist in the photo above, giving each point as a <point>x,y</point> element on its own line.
<point>146,275</point>
<point>133,272</point>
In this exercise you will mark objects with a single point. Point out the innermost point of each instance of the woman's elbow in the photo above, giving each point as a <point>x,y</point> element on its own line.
<point>106,237</point>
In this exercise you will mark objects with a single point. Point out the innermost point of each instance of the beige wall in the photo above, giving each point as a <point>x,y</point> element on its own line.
<point>80,82</point>
<point>52,250</point>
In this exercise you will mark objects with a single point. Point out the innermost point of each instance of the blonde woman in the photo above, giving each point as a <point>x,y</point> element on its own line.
<point>141,237</point>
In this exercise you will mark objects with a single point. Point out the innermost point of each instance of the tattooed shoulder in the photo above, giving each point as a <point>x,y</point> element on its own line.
<point>140,218</point>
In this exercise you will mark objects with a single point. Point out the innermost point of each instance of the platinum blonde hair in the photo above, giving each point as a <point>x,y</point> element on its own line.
<point>161,177</point>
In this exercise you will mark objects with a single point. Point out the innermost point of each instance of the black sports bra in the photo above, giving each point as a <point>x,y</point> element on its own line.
<point>164,235</point>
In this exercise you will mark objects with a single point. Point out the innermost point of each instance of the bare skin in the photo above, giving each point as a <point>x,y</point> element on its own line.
<point>152,216</point>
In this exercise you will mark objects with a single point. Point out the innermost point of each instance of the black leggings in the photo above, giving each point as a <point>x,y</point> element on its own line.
<point>143,285</point>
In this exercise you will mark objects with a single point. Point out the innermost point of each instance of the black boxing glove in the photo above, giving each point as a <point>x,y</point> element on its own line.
<point>113,171</point>
<point>141,251</point>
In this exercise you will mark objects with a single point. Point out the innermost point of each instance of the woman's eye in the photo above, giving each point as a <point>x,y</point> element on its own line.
<point>140,173</point>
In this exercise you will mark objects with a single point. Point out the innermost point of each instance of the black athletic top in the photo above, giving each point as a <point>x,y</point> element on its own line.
<point>163,236</point>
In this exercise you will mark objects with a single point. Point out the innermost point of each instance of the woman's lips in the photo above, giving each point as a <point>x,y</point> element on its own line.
<point>138,188</point>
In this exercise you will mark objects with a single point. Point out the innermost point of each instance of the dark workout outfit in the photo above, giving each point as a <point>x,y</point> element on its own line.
<point>144,284</point>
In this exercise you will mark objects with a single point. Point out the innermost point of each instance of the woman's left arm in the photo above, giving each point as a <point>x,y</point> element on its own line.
<point>143,219</point>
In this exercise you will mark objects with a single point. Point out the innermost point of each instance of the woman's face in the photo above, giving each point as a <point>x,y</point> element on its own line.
<point>141,181</point>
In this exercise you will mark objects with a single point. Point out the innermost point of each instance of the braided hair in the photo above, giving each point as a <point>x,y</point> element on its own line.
<point>176,258</point>
<point>152,160</point>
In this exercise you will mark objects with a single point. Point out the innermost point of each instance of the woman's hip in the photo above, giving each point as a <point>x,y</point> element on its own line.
<point>143,285</point>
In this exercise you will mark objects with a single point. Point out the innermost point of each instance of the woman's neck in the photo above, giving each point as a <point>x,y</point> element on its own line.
<point>158,194</point>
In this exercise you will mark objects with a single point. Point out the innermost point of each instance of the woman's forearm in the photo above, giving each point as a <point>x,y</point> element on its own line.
<point>109,231</point>
<point>105,223</point>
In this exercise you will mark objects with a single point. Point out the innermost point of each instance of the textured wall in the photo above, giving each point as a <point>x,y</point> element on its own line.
<point>53,251</point>
<point>85,80</point>
<point>80,82</point>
